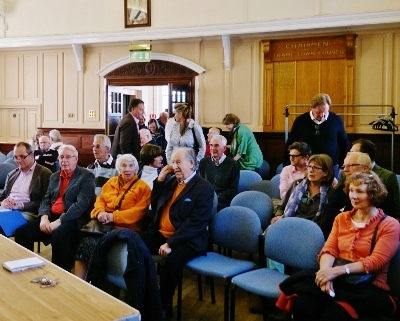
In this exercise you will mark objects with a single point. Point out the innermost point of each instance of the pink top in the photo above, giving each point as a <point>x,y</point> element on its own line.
<point>288,175</point>
<point>351,243</point>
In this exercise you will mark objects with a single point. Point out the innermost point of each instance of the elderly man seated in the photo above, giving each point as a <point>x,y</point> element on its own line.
<point>221,171</point>
<point>46,156</point>
<point>25,186</point>
<point>65,208</point>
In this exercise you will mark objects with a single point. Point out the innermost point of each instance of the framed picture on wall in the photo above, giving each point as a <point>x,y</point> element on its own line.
<point>137,13</point>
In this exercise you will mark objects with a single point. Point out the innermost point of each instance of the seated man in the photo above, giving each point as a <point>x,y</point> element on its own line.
<point>65,208</point>
<point>146,137</point>
<point>221,171</point>
<point>211,133</point>
<point>26,185</point>
<point>179,229</point>
<point>46,156</point>
<point>103,167</point>
<point>340,201</point>
<point>387,177</point>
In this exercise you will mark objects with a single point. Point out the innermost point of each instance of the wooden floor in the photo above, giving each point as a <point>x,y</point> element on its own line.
<point>195,310</point>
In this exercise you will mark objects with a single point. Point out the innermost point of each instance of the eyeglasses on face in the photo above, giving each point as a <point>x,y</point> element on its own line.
<point>349,166</point>
<point>21,157</point>
<point>316,130</point>
<point>67,157</point>
<point>97,146</point>
<point>313,168</point>
<point>295,156</point>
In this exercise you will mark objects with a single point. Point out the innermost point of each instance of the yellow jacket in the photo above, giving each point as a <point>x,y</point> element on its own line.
<point>133,207</point>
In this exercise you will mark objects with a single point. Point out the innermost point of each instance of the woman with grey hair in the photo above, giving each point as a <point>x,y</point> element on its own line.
<point>124,201</point>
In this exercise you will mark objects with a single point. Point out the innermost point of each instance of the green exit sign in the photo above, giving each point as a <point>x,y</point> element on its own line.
<point>139,56</point>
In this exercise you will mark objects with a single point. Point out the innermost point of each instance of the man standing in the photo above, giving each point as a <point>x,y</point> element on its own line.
<point>126,139</point>
<point>162,120</point>
<point>65,208</point>
<point>46,156</point>
<point>104,165</point>
<point>26,185</point>
<point>322,130</point>
<point>179,229</point>
<point>221,171</point>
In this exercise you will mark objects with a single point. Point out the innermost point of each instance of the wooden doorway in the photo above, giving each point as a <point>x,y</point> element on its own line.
<point>178,78</point>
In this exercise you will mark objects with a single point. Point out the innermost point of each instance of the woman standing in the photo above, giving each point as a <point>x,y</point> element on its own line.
<point>124,201</point>
<point>352,239</point>
<point>244,148</point>
<point>186,133</point>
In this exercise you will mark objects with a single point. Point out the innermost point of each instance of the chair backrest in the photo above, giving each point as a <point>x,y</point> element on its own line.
<point>5,168</point>
<point>279,168</point>
<point>2,157</point>
<point>259,202</point>
<point>215,206</point>
<point>398,179</point>
<point>236,228</point>
<point>271,188</point>
<point>247,178</point>
<point>276,179</point>
<point>10,154</point>
<point>264,170</point>
<point>295,242</point>
<point>394,274</point>
<point>117,258</point>
<point>11,161</point>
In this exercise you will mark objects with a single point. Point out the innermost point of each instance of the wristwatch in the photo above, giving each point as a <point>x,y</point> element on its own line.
<point>346,269</point>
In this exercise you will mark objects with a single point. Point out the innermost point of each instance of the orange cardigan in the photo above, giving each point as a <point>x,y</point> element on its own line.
<point>351,243</point>
<point>133,207</point>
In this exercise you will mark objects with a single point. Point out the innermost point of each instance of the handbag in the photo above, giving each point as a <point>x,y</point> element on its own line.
<point>357,278</point>
<point>95,228</point>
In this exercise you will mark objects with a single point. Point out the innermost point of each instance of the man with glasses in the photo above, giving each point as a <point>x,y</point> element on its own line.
<point>25,186</point>
<point>65,208</point>
<point>340,201</point>
<point>126,139</point>
<point>104,165</point>
<point>322,130</point>
<point>46,156</point>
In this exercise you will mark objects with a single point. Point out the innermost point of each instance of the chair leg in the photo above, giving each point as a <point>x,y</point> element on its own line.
<point>212,290</point>
<point>226,300</point>
<point>233,288</point>
<point>200,287</point>
<point>179,303</point>
<point>38,247</point>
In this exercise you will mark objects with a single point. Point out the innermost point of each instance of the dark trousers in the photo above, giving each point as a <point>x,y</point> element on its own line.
<point>171,269</point>
<point>63,240</point>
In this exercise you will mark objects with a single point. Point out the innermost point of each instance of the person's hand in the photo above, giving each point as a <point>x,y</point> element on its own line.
<point>164,250</point>
<point>105,217</point>
<point>164,172</point>
<point>7,203</point>
<point>45,224</point>
<point>275,218</point>
<point>55,224</point>
<point>326,275</point>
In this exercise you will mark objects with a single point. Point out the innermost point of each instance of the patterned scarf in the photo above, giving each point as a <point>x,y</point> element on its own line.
<point>297,194</point>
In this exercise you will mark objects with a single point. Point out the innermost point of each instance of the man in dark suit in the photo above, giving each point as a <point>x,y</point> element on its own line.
<point>65,208</point>
<point>126,138</point>
<point>26,185</point>
<point>182,210</point>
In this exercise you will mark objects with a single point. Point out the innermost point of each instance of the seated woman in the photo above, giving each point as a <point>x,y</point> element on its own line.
<point>307,197</point>
<point>151,160</point>
<point>124,201</point>
<point>299,152</point>
<point>158,134</point>
<point>244,148</point>
<point>351,239</point>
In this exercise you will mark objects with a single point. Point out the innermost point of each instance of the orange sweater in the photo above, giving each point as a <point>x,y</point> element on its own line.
<point>351,243</point>
<point>133,207</point>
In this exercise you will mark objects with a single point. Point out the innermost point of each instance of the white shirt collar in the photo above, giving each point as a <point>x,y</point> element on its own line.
<point>220,160</point>
<point>319,121</point>
<point>186,180</point>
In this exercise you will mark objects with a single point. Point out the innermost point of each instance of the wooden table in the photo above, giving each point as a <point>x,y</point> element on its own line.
<point>72,299</point>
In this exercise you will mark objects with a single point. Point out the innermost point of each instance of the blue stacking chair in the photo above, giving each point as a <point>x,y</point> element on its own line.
<point>247,178</point>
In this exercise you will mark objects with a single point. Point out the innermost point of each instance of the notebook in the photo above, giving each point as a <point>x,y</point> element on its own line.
<point>23,264</point>
<point>10,220</point>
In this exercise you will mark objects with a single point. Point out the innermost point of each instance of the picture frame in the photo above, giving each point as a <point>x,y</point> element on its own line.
<point>137,13</point>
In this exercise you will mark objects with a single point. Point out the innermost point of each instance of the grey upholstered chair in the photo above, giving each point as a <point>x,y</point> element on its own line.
<point>292,241</point>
